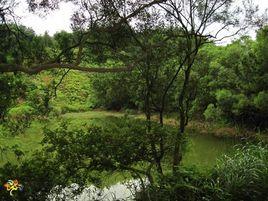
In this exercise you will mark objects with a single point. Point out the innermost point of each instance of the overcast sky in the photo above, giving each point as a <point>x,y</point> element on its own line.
<point>59,19</point>
<point>53,22</point>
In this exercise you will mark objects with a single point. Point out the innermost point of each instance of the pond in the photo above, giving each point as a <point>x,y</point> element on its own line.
<point>202,151</point>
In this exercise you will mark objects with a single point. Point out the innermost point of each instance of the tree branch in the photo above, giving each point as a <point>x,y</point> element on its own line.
<point>58,84</point>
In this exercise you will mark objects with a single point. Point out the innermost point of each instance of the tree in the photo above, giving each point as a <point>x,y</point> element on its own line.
<point>195,18</point>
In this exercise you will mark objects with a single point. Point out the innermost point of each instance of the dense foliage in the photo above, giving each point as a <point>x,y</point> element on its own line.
<point>233,81</point>
<point>154,57</point>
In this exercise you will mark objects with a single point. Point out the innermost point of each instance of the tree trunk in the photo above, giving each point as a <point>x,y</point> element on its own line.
<point>177,156</point>
<point>157,157</point>
<point>161,117</point>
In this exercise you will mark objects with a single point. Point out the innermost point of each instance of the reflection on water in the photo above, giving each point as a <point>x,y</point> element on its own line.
<point>120,191</point>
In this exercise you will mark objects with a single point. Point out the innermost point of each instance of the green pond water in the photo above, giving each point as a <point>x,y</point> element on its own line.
<point>203,150</point>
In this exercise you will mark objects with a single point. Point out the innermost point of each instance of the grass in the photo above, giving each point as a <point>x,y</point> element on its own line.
<point>92,114</point>
<point>27,142</point>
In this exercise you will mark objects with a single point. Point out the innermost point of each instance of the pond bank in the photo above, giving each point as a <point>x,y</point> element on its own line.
<point>194,126</point>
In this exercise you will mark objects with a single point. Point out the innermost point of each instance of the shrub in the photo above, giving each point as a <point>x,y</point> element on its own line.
<point>12,87</point>
<point>56,111</point>
<point>19,118</point>
<point>241,104</point>
<point>115,144</point>
<point>39,98</point>
<point>225,100</point>
<point>37,175</point>
<point>261,101</point>
<point>213,113</point>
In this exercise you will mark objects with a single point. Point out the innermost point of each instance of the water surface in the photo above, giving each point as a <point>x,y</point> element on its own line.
<point>203,150</point>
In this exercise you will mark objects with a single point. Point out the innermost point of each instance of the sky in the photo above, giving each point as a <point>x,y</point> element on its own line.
<point>54,21</point>
<point>59,19</point>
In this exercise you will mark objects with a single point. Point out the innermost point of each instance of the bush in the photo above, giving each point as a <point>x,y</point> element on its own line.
<point>37,175</point>
<point>241,104</point>
<point>56,111</point>
<point>225,100</point>
<point>115,91</point>
<point>12,87</point>
<point>19,118</point>
<point>117,143</point>
<point>39,99</point>
<point>261,101</point>
<point>213,113</point>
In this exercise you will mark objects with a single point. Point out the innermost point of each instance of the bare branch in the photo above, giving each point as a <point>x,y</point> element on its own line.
<point>137,11</point>
<point>58,84</point>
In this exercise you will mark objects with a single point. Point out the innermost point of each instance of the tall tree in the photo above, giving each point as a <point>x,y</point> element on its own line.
<point>201,22</point>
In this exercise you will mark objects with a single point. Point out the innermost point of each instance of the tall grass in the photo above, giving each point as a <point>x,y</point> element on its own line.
<point>242,176</point>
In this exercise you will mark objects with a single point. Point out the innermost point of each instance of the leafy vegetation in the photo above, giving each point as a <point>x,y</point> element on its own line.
<point>155,59</point>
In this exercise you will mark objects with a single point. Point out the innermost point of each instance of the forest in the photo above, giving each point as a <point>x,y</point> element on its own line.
<point>141,101</point>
